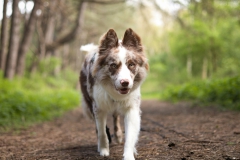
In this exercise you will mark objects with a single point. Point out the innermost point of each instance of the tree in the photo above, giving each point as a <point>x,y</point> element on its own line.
<point>51,35</point>
<point>13,42</point>
<point>4,37</point>
<point>26,38</point>
<point>72,34</point>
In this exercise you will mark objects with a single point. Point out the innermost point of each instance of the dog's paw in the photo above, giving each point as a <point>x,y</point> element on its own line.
<point>104,152</point>
<point>128,157</point>
<point>119,140</point>
<point>119,137</point>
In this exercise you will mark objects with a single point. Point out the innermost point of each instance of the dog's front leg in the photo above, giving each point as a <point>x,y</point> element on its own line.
<point>132,128</point>
<point>103,144</point>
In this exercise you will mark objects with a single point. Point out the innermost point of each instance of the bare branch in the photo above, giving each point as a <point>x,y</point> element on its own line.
<point>165,13</point>
<point>72,34</point>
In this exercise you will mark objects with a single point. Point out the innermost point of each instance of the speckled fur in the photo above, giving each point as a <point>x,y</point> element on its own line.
<point>103,71</point>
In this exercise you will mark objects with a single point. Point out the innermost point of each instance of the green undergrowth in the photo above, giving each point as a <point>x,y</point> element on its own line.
<point>223,92</point>
<point>25,101</point>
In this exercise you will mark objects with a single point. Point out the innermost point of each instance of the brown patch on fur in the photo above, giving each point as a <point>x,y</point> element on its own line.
<point>87,98</point>
<point>132,65</point>
<point>85,64</point>
<point>146,66</point>
<point>104,59</point>
<point>101,61</point>
<point>113,70</point>
<point>91,80</point>
<point>112,58</point>
<point>138,77</point>
<point>132,41</point>
<point>116,51</point>
<point>138,60</point>
<point>108,41</point>
<point>141,61</point>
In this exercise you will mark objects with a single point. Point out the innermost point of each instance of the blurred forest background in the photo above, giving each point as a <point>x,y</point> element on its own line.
<point>193,47</point>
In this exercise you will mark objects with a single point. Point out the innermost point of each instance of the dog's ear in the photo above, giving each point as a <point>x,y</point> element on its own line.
<point>132,40</point>
<point>108,41</point>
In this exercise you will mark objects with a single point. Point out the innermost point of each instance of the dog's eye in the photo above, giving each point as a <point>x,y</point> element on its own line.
<point>113,65</point>
<point>131,65</point>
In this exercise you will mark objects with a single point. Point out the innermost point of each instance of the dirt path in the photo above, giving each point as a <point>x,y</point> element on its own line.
<point>168,132</point>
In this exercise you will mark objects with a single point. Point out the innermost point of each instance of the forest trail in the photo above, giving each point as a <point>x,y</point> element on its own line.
<point>168,132</point>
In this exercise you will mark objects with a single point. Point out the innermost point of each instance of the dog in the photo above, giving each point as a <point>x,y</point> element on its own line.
<point>110,81</point>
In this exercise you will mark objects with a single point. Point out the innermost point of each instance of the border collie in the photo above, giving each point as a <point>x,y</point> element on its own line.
<point>110,81</point>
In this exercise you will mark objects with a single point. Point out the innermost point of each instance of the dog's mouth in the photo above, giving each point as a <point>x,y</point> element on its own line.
<point>123,90</point>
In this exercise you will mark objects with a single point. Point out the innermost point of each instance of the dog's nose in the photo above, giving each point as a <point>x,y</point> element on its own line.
<point>124,82</point>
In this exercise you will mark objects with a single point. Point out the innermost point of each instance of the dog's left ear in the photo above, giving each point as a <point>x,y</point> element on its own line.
<point>132,40</point>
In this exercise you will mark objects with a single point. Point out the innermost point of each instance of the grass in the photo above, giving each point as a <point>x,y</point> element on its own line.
<point>223,92</point>
<point>25,101</point>
<point>164,84</point>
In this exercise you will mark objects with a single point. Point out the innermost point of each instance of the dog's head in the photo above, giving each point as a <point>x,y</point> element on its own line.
<point>121,64</point>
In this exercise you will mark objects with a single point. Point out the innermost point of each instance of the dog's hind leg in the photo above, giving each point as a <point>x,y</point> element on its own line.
<point>117,128</point>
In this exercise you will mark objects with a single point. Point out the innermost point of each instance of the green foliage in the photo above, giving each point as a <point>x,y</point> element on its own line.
<point>198,52</point>
<point>224,92</point>
<point>49,64</point>
<point>214,38</point>
<point>163,68</point>
<point>25,101</point>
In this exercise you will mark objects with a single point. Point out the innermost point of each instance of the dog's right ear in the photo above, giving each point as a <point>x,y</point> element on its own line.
<point>108,41</point>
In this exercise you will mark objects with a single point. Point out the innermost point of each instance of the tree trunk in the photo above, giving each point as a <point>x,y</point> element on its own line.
<point>49,35</point>
<point>4,37</point>
<point>204,68</point>
<point>26,39</point>
<point>189,66</point>
<point>65,56</point>
<point>13,42</point>
<point>57,68</point>
<point>214,56</point>
<point>40,51</point>
<point>214,61</point>
<point>50,25</point>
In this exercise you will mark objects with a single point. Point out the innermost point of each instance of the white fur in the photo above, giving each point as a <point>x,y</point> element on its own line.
<point>88,47</point>
<point>124,73</point>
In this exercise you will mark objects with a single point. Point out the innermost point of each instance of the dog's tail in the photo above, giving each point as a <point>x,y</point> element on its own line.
<point>89,48</point>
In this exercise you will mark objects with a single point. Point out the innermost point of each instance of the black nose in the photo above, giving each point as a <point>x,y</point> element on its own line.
<point>124,83</point>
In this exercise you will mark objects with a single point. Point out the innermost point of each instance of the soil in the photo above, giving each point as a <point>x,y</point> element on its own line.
<point>168,132</point>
